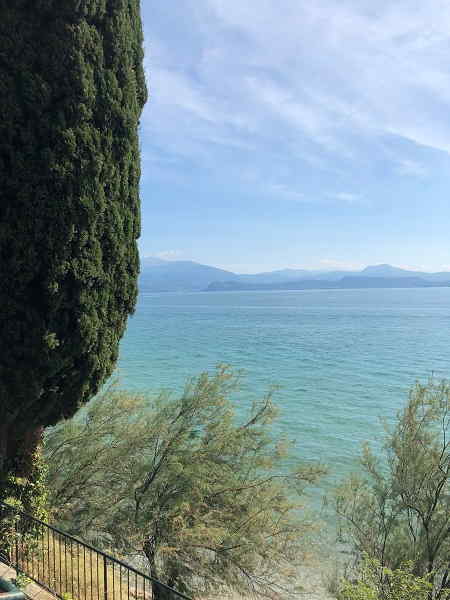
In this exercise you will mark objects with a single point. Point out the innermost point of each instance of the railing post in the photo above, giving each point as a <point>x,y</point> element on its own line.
<point>105,578</point>
<point>16,536</point>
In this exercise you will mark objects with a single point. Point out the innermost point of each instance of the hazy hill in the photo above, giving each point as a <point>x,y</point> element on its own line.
<point>389,271</point>
<point>179,275</point>
<point>276,276</point>
<point>159,275</point>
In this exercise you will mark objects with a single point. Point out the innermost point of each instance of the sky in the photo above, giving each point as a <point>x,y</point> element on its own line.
<point>282,133</point>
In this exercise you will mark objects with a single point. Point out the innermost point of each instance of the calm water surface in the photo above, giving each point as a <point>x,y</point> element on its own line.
<point>343,358</point>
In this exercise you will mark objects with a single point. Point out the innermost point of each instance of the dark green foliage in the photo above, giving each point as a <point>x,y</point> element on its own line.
<point>72,90</point>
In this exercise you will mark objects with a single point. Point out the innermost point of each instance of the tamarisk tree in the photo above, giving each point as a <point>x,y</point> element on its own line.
<point>210,500</point>
<point>72,89</point>
<point>398,510</point>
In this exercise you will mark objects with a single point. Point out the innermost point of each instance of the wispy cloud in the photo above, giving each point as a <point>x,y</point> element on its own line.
<point>349,197</point>
<point>412,168</point>
<point>376,70</point>
<point>285,191</point>
<point>169,254</point>
<point>322,85</point>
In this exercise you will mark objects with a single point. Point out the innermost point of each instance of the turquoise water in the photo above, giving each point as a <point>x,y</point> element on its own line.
<point>343,357</point>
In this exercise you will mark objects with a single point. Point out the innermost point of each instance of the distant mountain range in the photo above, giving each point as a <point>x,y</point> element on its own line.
<point>159,275</point>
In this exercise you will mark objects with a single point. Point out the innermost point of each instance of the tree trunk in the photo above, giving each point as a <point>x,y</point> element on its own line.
<point>19,468</point>
<point>3,451</point>
<point>20,479</point>
<point>158,591</point>
<point>161,593</point>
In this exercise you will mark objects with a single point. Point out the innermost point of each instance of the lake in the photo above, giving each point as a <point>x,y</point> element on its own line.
<point>343,358</point>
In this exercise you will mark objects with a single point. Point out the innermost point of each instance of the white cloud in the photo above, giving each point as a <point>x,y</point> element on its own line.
<point>412,168</point>
<point>175,89</point>
<point>284,191</point>
<point>382,71</point>
<point>169,254</point>
<point>408,267</point>
<point>340,265</point>
<point>287,80</point>
<point>349,197</point>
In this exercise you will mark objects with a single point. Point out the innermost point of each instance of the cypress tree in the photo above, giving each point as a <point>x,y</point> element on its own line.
<point>72,89</point>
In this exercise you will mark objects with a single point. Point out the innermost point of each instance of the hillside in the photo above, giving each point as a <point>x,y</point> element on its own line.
<point>159,275</point>
<point>177,276</point>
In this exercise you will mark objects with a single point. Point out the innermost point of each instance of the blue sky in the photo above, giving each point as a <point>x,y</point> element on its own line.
<point>282,133</point>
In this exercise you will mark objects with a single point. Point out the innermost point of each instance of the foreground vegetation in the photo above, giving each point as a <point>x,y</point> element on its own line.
<point>376,582</point>
<point>206,500</point>
<point>397,510</point>
<point>203,494</point>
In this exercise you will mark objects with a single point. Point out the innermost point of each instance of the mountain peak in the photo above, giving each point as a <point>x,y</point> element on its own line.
<point>383,270</point>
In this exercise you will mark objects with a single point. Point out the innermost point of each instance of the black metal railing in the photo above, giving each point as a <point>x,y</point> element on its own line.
<point>69,568</point>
